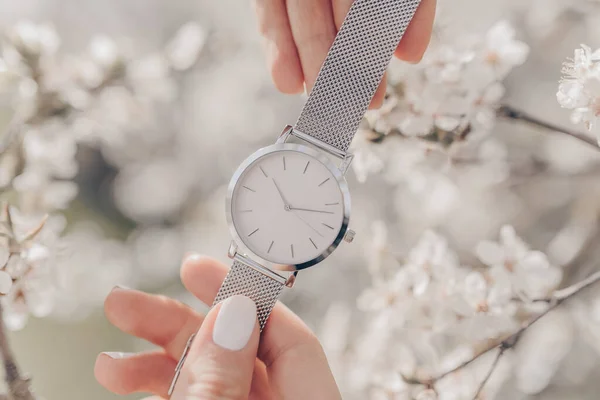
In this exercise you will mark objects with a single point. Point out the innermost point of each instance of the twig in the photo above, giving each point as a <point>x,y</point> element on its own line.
<point>447,138</point>
<point>501,351</point>
<point>564,294</point>
<point>18,386</point>
<point>509,341</point>
<point>511,113</point>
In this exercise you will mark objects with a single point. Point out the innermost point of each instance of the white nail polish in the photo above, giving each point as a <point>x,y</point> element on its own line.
<point>235,323</point>
<point>115,355</point>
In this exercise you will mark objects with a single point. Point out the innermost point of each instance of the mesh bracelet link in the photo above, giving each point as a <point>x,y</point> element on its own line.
<point>247,281</point>
<point>353,69</point>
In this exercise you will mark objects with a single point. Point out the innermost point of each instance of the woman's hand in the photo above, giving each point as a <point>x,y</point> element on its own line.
<point>226,361</point>
<point>299,33</point>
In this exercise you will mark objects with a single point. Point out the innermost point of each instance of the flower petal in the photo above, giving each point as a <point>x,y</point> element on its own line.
<point>490,253</point>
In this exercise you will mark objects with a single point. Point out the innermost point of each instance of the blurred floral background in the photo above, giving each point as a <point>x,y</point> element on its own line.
<point>475,195</point>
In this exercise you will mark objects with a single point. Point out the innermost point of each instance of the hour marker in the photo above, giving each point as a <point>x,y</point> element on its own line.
<point>292,248</point>
<point>305,168</point>
<point>270,246</point>
<point>245,211</point>
<point>329,226</point>
<point>284,163</point>
<point>313,243</point>
<point>263,171</point>
<point>332,204</point>
<point>322,183</point>
<point>252,190</point>
<point>253,232</point>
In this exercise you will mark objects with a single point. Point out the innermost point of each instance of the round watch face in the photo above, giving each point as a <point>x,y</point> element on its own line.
<point>288,206</point>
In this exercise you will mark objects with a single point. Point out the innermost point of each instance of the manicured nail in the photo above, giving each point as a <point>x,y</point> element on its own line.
<point>120,287</point>
<point>117,355</point>
<point>235,323</point>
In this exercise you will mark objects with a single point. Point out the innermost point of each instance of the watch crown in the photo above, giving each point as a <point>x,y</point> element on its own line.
<point>349,236</point>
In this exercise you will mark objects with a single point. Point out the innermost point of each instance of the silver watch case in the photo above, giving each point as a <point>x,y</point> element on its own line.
<point>324,159</point>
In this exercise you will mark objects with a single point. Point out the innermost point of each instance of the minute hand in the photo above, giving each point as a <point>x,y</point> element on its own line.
<point>306,209</point>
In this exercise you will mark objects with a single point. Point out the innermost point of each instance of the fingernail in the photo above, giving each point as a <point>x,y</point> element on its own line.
<point>415,61</point>
<point>117,355</point>
<point>235,323</point>
<point>120,287</point>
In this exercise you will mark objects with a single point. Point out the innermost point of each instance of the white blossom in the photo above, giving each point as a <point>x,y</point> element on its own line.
<point>105,98</point>
<point>432,295</point>
<point>29,246</point>
<point>34,39</point>
<point>104,51</point>
<point>186,45</point>
<point>579,89</point>
<point>456,87</point>
<point>488,294</point>
<point>530,272</point>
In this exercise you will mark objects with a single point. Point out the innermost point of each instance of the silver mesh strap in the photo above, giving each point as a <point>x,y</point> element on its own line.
<point>263,290</point>
<point>353,69</point>
<point>241,279</point>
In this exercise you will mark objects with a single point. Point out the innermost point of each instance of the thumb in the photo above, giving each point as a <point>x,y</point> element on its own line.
<point>221,361</point>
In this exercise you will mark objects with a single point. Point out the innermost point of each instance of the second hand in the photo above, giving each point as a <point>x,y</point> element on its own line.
<point>307,224</point>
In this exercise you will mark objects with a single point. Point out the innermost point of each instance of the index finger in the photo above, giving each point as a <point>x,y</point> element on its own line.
<point>290,351</point>
<point>418,33</point>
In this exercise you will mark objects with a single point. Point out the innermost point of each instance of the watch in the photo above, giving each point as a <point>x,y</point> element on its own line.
<point>288,204</point>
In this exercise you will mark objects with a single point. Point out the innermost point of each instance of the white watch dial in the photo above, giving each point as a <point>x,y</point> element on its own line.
<point>287,207</point>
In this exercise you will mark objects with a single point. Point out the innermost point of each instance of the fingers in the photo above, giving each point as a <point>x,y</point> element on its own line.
<point>202,276</point>
<point>124,373</point>
<point>221,361</point>
<point>288,348</point>
<point>158,319</point>
<point>340,10</point>
<point>416,38</point>
<point>294,356</point>
<point>379,95</point>
<point>299,33</point>
<point>282,55</point>
<point>313,31</point>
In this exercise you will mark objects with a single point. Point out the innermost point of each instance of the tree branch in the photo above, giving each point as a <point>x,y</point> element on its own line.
<point>570,291</point>
<point>509,341</point>
<point>18,386</point>
<point>490,372</point>
<point>511,113</point>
